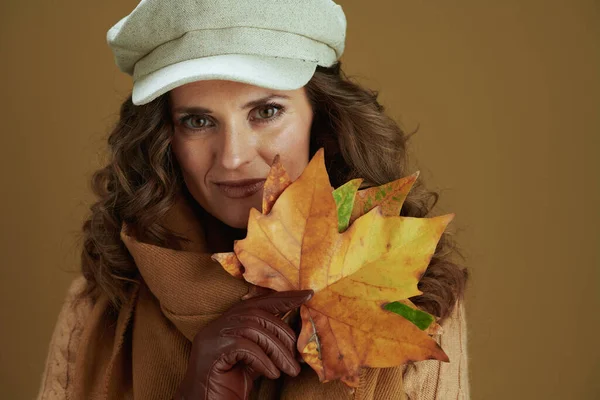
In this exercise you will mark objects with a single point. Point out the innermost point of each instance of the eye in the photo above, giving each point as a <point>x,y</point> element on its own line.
<point>264,114</point>
<point>194,121</point>
<point>269,112</point>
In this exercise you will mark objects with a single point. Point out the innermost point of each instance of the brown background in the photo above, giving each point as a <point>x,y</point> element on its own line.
<point>507,95</point>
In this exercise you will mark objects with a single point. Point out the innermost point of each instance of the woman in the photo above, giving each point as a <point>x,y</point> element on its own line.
<point>220,88</point>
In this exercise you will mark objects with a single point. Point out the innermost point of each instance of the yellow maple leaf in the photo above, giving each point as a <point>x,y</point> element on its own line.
<point>296,244</point>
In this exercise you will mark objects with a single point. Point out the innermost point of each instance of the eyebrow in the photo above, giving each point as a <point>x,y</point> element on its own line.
<point>250,104</point>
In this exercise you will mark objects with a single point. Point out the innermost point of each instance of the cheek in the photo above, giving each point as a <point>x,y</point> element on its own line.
<point>193,163</point>
<point>292,144</point>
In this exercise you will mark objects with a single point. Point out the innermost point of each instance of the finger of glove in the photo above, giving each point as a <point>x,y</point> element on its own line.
<point>249,353</point>
<point>268,321</point>
<point>278,302</point>
<point>280,353</point>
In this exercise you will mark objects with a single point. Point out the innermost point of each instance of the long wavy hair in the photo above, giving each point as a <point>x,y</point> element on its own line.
<point>142,178</point>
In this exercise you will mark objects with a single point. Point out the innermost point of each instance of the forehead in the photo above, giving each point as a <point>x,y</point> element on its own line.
<point>221,92</point>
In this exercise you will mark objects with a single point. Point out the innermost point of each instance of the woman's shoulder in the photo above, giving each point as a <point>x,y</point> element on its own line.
<point>76,288</point>
<point>432,379</point>
<point>60,359</point>
<point>77,304</point>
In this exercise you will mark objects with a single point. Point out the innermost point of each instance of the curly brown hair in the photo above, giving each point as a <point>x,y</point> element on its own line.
<point>142,178</point>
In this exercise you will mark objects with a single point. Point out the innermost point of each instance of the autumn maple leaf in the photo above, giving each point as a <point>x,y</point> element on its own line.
<point>360,257</point>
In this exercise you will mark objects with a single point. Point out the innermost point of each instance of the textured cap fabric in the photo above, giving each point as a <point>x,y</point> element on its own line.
<point>164,44</point>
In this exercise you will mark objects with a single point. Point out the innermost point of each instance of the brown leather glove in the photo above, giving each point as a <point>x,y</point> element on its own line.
<point>245,342</point>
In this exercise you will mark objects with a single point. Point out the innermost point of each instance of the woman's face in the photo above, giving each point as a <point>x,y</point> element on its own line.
<point>226,135</point>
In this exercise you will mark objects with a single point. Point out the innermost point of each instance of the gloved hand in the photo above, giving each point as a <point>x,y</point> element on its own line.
<point>247,341</point>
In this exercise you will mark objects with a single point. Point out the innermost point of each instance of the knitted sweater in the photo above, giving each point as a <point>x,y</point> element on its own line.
<point>424,380</point>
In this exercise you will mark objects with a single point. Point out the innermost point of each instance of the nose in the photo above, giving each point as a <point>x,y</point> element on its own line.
<point>236,147</point>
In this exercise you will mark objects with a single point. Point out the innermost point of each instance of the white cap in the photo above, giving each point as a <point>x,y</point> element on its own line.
<point>164,44</point>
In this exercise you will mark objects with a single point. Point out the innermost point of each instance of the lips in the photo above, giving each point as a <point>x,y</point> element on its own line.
<point>240,189</point>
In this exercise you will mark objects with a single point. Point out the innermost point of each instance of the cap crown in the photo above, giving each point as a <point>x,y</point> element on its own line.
<point>158,33</point>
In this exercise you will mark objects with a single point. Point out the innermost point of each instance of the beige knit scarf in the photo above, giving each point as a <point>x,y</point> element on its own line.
<point>141,351</point>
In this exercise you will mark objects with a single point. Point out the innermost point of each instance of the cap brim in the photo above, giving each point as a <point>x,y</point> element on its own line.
<point>269,72</point>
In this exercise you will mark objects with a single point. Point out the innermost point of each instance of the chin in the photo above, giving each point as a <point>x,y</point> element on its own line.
<point>236,217</point>
<point>234,213</point>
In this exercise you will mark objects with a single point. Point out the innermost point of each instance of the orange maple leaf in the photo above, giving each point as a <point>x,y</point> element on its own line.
<point>296,244</point>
